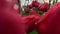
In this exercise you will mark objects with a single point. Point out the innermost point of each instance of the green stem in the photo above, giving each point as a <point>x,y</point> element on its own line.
<point>53,2</point>
<point>49,3</point>
<point>56,1</point>
<point>19,5</point>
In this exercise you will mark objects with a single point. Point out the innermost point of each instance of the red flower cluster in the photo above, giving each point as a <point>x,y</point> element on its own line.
<point>34,4</point>
<point>43,7</point>
<point>40,7</point>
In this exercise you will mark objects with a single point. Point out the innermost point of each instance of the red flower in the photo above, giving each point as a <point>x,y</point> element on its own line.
<point>50,22</point>
<point>10,22</point>
<point>43,7</point>
<point>30,22</point>
<point>31,5</point>
<point>34,4</point>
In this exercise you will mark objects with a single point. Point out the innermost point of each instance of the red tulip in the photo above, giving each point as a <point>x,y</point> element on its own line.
<point>43,7</point>
<point>34,4</point>
<point>10,21</point>
<point>50,22</point>
<point>31,5</point>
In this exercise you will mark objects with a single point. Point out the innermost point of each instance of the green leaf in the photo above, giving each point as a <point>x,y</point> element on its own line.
<point>34,32</point>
